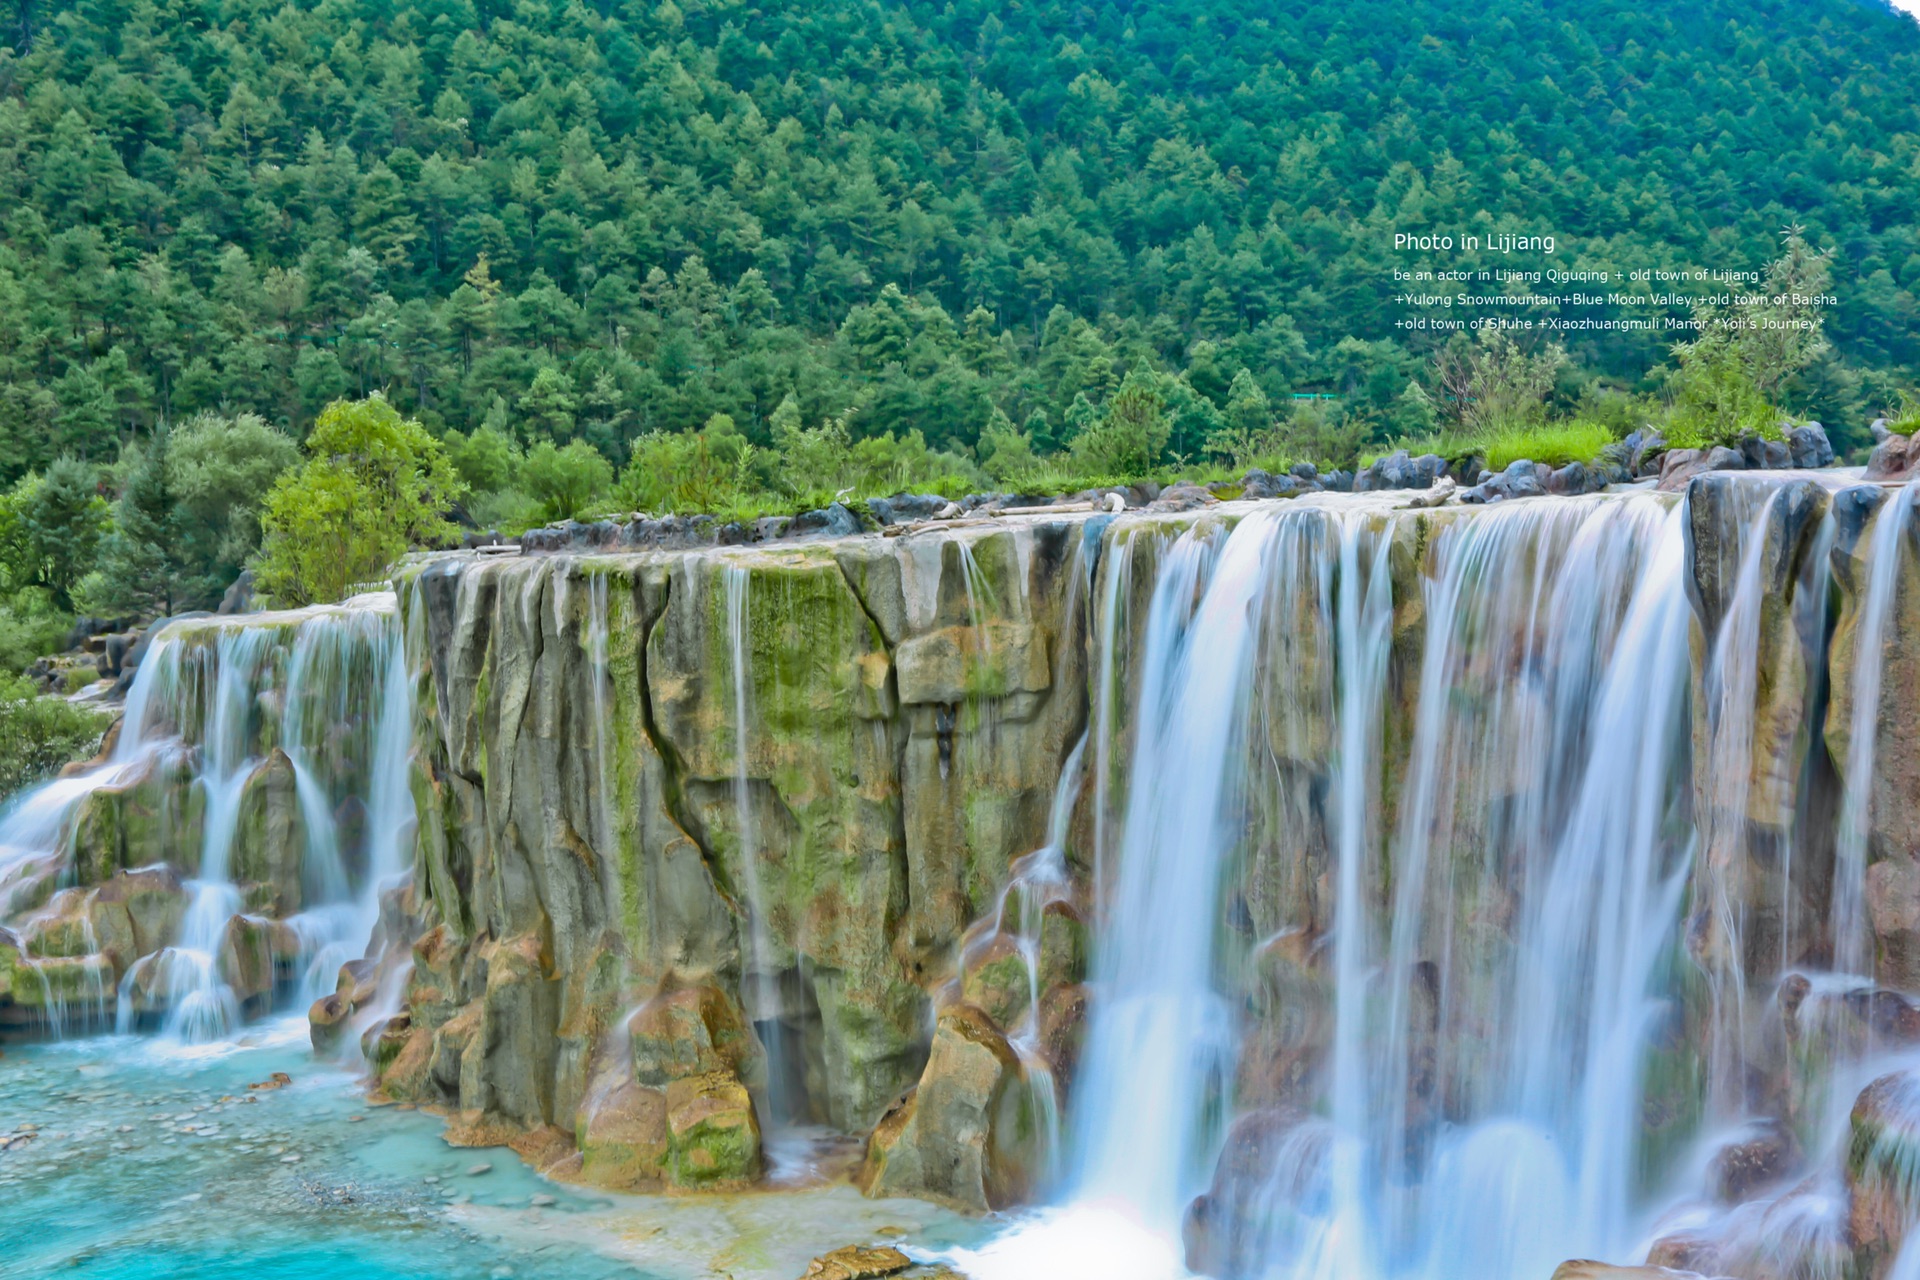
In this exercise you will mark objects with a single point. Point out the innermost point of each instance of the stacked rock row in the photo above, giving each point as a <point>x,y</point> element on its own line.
<point>1643,455</point>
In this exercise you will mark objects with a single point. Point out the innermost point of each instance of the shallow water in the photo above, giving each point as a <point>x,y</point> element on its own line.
<point>152,1159</point>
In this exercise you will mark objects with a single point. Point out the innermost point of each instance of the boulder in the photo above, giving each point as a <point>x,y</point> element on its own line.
<point>968,1135</point>
<point>1399,470</point>
<point>1182,497</point>
<point>1647,449</point>
<point>1572,480</point>
<point>1808,446</point>
<point>139,910</point>
<point>622,1136</point>
<point>1266,1165</point>
<point>998,979</point>
<point>254,952</point>
<point>1883,1150</point>
<point>1893,458</point>
<point>1521,479</point>
<point>1761,1155</point>
<point>690,1032</point>
<point>713,1135</point>
<point>857,1262</point>
<point>1680,466</point>
<point>833,521</point>
<point>1259,484</point>
<point>238,597</point>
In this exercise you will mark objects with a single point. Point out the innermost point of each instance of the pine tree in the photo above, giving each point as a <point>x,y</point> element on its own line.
<point>139,570</point>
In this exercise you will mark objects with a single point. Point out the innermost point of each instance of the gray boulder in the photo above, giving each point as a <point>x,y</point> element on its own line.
<point>1810,447</point>
<point>833,521</point>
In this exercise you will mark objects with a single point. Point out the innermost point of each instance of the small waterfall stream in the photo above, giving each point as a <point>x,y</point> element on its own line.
<point>325,696</point>
<point>1849,924</point>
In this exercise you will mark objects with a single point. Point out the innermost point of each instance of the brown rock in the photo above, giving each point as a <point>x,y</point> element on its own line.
<point>713,1135</point>
<point>1586,1270</point>
<point>622,1136</point>
<point>1063,1032</point>
<point>689,1032</point>
<point>1760,1156</point>
<point>1685,1252</point>
<point>857,1262</point>
<point>1881,1154</point>
<point>1892,459</point>
<point>969,1134</point>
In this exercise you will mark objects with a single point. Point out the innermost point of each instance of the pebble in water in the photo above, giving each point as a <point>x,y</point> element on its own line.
<point>474,1171</point>
<point>541,1201</point>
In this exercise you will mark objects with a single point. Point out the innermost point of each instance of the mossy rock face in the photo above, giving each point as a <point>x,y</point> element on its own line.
<point>152,902</point>
<point>270,839</point>
<point>381,1045</point>
<point>623,1138</point>
<point>151,818</point>
<point>991,659</point>
<point>68,986</point>
<point>713,1133</point>
<point>690,1032</point>
<point>62,930</point>
<point>1064,945</point>
<point>999,981</point>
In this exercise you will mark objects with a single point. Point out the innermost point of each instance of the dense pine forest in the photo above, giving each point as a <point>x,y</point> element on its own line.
<point>593,221</point>
<point>298,285</point>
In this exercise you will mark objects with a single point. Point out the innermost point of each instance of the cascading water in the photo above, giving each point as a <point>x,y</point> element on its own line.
<point>760,977</point>
<point>1478,1107</point>
<point>200,1004</point>
<point>1427,864</point>
<point>1849,925</point>
<point>326,694</point>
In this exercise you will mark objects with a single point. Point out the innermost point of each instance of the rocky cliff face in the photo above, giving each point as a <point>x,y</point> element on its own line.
<point>710,844</point>
<point>715,824</point>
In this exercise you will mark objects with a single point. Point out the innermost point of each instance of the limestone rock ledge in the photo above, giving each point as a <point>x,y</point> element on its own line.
<point>643,929</point>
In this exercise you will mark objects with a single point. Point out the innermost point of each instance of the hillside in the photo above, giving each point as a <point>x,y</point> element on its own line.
<point>599,220</point>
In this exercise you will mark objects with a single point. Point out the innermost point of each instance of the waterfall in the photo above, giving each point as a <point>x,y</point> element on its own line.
<point>1849,923</point>
<point>760,974</point>
<point>326,692</point>
<point>200,1004</point>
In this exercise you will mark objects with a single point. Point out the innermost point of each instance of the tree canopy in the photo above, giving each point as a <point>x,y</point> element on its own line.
<point>594,222</point>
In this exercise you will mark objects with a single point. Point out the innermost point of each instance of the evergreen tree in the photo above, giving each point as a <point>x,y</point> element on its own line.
<point>139,568</point>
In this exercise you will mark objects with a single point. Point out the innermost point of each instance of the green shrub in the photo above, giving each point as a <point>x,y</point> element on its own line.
<point>375,485</point>
<point>30,625</point>
<point>38,735</point>
<point>566,482</point>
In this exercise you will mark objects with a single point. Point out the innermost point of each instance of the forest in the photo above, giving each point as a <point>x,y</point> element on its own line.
<point>700,252</point>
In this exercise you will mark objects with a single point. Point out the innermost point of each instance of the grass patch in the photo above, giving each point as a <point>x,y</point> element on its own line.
<point>1555,444</point>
